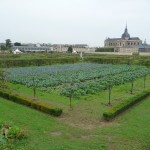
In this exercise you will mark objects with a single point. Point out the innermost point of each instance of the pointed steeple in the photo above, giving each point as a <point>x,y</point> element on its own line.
<point>126,35</point>
<point>126,28</point>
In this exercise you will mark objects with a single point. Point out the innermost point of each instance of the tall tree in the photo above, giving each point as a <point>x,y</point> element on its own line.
<point>3,47</point>
<point>70,49</point>
<point>8,43</point>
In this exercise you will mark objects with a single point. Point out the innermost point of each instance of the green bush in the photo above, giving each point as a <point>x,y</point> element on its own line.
<point>37,61</point>
<point>31,103</point>
<point>55,112</point>
<point>110,114</point>
<point>10,135</point>
<point>104,49</point>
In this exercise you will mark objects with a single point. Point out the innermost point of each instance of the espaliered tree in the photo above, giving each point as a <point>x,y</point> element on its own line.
<point>110,86</point>
<point>71,93</point>
<point>34,84</point>
<point>132,84</point>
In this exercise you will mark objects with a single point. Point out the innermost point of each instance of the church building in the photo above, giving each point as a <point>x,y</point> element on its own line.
<point>124,44</point>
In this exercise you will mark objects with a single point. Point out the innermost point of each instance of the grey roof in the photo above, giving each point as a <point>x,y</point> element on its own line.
<point>113,39</point>
<point>134,38</point>
<point>126,34</point>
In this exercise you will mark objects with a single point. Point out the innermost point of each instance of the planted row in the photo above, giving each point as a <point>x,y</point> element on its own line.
<point>104,83</point>
<point>112,113</point>
<point>31,103</point>
<point>58,75</point>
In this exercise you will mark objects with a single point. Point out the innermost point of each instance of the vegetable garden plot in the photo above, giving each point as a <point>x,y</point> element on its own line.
<point>83,78</point>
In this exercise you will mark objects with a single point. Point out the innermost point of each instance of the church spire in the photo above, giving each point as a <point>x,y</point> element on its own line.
<point>126,35</point>
<point>126,29</point>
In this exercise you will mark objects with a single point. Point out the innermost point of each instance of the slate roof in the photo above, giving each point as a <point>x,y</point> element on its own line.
<point>124,36</point>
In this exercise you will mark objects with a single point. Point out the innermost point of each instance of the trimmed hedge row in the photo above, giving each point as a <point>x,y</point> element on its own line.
<point>36,62</point>
<point>130,60</point>
<point>31,103</point>
<point>112,113</point>
<point>104,49</point>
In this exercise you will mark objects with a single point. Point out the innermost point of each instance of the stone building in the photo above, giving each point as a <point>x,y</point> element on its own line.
<point>144,48</point>
<point>76,47</point>
<point>124,44</point>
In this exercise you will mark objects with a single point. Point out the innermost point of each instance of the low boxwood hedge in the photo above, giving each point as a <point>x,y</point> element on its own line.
<point>112,113</point>
<point>31,103</point>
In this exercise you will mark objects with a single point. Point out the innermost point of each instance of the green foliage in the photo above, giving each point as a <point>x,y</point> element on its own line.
<point>9,135</point>
<point>100,77</point>
<point>3,75</point>
<point>31,103</point>
<point>17,44</point>
<point>3,47</point>
<point>8,43</point>
<point>36,62</point>
<point>110,114</point>
<point>104,49</point>
<point>114,59</point>
<point>107,82</point>
<point>70,49</point>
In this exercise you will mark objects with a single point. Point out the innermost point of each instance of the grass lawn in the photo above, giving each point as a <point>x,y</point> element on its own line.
<point>87,111</point>
<point>131,131</point>
<point>82,128</point>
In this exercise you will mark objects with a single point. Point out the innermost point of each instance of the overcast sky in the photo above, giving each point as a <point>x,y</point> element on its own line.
<point>73,21</point>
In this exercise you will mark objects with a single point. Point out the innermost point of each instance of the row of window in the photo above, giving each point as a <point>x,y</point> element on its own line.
<point>22,48</point>
<point>117,44</point>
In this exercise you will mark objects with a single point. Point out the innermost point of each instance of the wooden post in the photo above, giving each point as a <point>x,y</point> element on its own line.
<point>34,87</point>
<point>132,87</point>
<point>109,95</point>
<point>70,102</point>
<point>34,90</point>
<point>144,81</point>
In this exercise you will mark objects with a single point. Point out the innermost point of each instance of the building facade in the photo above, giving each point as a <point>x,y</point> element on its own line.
<point>144,48</point>
<point>124,44</point>
<point>76,47</point>
<point>33,48</point>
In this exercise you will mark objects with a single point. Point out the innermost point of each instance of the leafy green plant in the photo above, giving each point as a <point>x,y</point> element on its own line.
<point>9,134</point>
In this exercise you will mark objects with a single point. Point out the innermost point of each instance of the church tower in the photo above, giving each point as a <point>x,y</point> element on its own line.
<point>126,35</point>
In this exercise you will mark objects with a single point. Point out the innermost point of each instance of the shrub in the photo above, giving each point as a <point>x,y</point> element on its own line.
<point>55,112</point>
<point>31,103</point>
<point>104,49</point>
<point>9,135</point>
<point>37,61</point>
<point>110,114</point>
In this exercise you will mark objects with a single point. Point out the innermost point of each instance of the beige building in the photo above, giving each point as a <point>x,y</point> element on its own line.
<point>124,44</point>
<point>76,47</point>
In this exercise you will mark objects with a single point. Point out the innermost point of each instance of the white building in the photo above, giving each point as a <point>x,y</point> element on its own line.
<point>33,48</point>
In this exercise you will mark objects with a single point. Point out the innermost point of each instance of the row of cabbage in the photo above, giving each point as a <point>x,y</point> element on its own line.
<point>105,83</point>
<point>53,70</point>
<point>76,75</point>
